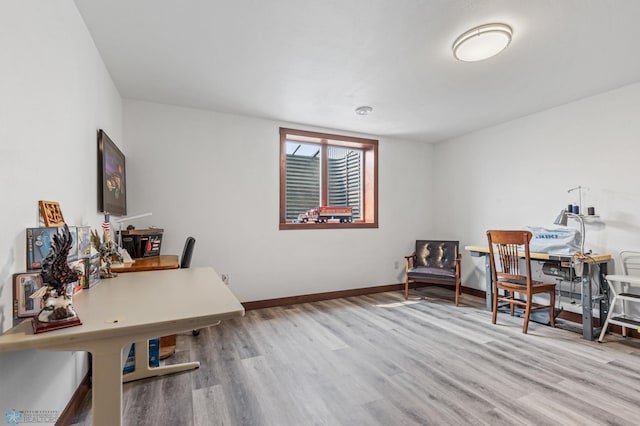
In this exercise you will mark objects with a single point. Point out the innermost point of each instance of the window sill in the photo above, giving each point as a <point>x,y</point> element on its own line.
<point>305,226</point>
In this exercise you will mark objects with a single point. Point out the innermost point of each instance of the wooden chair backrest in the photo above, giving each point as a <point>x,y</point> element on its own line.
<point>505,246</point>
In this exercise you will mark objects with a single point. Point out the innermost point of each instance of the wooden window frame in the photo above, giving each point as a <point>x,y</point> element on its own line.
<point>369,176</point>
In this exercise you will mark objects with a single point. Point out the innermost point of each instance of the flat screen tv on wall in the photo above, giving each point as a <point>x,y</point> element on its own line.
<point>112,183</point>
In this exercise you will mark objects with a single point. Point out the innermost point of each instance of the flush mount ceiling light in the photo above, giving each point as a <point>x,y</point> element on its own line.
<point>364,110</point>
<point>482,42</point>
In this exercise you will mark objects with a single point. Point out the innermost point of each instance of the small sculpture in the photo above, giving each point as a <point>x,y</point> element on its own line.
<point>56,272</point>
<point>57,306</point>
<point>108,250</point>
<point>56,276</point>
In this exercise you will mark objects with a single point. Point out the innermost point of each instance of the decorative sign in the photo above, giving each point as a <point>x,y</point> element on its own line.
<point>51,213</point>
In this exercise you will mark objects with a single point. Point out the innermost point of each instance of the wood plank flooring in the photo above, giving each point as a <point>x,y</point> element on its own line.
<point>381,360</point>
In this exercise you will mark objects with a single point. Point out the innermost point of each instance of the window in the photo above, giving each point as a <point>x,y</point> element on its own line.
<point>323,170</point>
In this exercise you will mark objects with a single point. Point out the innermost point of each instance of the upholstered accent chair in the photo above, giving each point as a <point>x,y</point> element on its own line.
<point>434,262</point>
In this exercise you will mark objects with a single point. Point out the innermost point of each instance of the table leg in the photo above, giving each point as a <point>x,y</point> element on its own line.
<point>604,289</point>
<point>488,283</point>
<point>587,311</point>
<point>142,369</point>
<point>106,386</point>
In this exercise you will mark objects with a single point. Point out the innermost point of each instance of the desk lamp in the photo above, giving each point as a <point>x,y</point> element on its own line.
<point>563,218</point>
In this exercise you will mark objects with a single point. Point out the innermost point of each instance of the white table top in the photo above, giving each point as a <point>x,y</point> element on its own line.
<point>132,307</point>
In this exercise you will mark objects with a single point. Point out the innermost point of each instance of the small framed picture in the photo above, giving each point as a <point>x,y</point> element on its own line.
<point>25,284</point>
<point>51,213</point>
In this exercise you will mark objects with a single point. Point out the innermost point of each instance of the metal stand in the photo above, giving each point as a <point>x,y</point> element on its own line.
<point>143,371</point>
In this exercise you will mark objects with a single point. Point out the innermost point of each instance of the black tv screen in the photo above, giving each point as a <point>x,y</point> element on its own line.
<point>112,183</point>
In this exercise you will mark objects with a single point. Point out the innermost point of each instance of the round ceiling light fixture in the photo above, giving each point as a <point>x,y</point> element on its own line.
<point>482,42</point>
<point>364,110</point>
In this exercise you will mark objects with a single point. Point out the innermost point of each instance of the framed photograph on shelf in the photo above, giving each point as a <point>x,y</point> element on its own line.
<point>25,284</point>
<point>112,183</point>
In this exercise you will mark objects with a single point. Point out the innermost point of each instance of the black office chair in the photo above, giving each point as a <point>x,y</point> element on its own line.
<point>185,261</point>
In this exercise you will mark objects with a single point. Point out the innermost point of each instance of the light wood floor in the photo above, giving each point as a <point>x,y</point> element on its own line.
<point>381,360</point>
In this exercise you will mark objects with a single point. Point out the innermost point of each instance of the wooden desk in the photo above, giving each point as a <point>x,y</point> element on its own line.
<point>156,263</point>
<point>589,261</point>
<point>130,308</point>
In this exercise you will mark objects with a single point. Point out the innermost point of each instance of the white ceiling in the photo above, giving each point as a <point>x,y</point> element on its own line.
<point>314,62</point>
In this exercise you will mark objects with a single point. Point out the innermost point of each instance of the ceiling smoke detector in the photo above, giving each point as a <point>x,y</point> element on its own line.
<point>364,110</point>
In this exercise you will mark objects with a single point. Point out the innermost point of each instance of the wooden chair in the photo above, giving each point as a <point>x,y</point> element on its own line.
<point>506,248</point>
<point>433,262</point>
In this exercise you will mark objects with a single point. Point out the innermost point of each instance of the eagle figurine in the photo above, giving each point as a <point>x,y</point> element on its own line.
<point>56,272</point>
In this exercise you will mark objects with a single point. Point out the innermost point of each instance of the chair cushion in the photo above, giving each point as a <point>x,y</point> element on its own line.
<point>519,282</point>
<point>436,254</point>
<point>426,273</point>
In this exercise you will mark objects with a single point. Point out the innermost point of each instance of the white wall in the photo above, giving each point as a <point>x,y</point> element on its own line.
<point>216,177</point>
<point>518,173</point>
<point>55,94</point>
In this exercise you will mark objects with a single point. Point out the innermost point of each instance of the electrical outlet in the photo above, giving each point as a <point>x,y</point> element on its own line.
<point>396,265</point>
<point>225,278</point>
